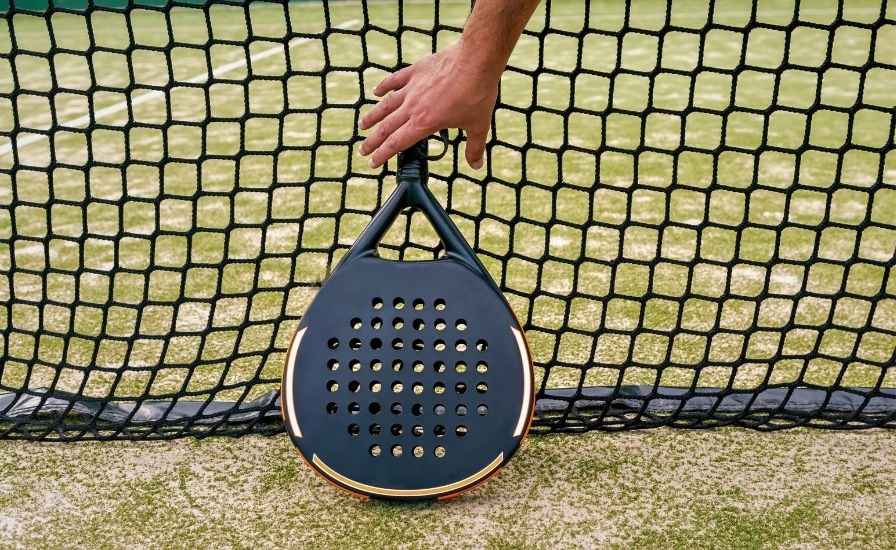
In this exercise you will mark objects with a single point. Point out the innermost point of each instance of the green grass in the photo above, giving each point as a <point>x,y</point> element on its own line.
<point>659,488</point>
<point>156,203</point>
<point>252,213</point>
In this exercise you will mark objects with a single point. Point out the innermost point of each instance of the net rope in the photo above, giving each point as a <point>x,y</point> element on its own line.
<point>688,204</point>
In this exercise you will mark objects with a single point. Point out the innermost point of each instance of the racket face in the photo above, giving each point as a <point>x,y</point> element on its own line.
<point>407,380</point>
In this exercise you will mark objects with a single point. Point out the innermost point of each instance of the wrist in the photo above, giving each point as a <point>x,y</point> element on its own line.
<point>479,59</point>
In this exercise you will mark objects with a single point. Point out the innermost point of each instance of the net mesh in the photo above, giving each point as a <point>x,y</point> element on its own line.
<point>688,204</point>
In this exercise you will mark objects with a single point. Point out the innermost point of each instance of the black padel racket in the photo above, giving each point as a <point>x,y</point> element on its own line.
<point>408,380</point>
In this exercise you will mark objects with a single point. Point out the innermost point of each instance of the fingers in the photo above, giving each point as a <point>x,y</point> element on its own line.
<point>475,148</point>
<point>394,81</point>
<point>383,130</point>
<point>409,134</point>
<point>388,105</point>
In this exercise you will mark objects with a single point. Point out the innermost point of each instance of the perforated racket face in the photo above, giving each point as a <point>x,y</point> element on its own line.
<point>407,380</point>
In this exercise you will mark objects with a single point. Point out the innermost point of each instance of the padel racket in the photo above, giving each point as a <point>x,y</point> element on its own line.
<point>408,380</point>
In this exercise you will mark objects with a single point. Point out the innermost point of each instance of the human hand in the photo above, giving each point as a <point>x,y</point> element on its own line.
<point>442,90</point>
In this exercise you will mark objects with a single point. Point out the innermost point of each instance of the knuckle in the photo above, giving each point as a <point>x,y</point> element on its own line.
<point>388,145</point>
<point>426,121</point>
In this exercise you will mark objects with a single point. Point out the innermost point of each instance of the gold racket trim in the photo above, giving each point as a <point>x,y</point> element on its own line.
<point>286,394</point>
<point>525,413</point>
<point>386,492</point>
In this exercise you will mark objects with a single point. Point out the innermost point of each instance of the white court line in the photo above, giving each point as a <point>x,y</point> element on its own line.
<point>689,15</point>
<point>159,94</point>
<point>467,3</point>
<point>230,67</point>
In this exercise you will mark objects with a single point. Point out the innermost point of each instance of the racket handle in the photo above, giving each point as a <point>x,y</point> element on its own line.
<point>413,165</point>
<point>413,171</point>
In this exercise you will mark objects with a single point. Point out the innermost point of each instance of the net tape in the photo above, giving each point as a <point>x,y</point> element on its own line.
<point>689,205</point>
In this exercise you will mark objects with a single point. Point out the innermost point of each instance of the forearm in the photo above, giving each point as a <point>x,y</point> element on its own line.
<point>491,32</point>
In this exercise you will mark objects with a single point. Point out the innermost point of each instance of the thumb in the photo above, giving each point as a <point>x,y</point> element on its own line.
<point>475,149</point>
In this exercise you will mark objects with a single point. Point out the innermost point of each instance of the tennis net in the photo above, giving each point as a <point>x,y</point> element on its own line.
<point>688,204</point>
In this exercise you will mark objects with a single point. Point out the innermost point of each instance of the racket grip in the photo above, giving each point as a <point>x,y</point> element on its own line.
<point>413,171</point>
<point>413,165</point>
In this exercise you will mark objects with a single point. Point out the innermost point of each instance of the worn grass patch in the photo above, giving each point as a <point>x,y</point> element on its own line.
<point>725,488</point>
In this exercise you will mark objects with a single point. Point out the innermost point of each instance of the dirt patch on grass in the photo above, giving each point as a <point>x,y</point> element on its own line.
<point>653,488</point>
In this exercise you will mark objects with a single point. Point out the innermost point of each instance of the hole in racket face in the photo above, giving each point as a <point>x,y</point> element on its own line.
<point>408,381</point>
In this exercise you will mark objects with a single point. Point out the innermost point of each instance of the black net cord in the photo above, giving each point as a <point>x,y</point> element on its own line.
<point>611,408</point>
<point>688,206</point>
